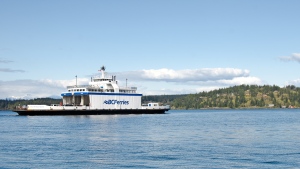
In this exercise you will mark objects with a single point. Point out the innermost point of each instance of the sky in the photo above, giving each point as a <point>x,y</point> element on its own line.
<point>160,46</point>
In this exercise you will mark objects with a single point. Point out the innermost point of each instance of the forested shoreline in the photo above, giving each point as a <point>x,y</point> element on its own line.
<point>243,96</point>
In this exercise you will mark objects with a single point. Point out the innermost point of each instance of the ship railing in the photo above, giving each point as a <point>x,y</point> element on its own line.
<point>78,86</point>
<point>128,88</point>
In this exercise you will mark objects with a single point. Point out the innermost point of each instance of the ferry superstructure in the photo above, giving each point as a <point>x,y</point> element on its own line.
<point>103,95</point>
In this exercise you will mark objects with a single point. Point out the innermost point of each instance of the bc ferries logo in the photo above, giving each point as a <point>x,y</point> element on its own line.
<point>116,102</point>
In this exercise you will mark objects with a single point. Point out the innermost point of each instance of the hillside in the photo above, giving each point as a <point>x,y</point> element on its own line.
<point>12,104</point>
<point>164,99</point>
<point>243,96</point>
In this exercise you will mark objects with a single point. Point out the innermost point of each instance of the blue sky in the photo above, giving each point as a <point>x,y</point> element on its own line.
<point>160,46</point>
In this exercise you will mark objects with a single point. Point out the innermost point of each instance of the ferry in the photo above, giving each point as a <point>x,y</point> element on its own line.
<point>103,96</point>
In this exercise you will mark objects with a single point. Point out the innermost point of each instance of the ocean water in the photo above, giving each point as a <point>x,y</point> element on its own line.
<point>178,139</point>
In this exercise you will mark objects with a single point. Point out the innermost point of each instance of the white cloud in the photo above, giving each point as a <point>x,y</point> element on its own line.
<point>35,88</point>
<point>149,82</point>
<point>7,70</point>
<point>295,82</point>
<point>198,77</point>
<point>165,91</point>
<point>192,81</point>
<point>196,87</point>
<point>64,83</point>
<point>241,80</point>
<point>5,60</point>
<point>170,75</point>
<point>293,57</point>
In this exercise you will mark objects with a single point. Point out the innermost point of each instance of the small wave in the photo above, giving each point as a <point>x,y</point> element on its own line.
<point>272,162</point>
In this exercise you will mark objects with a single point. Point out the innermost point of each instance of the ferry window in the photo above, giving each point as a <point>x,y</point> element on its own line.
<point>83,89</point>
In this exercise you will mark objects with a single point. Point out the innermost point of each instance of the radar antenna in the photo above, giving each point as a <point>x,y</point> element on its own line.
<point>103,68</point>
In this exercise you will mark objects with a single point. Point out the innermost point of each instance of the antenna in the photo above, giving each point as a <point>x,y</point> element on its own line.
<point>76,80</point>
